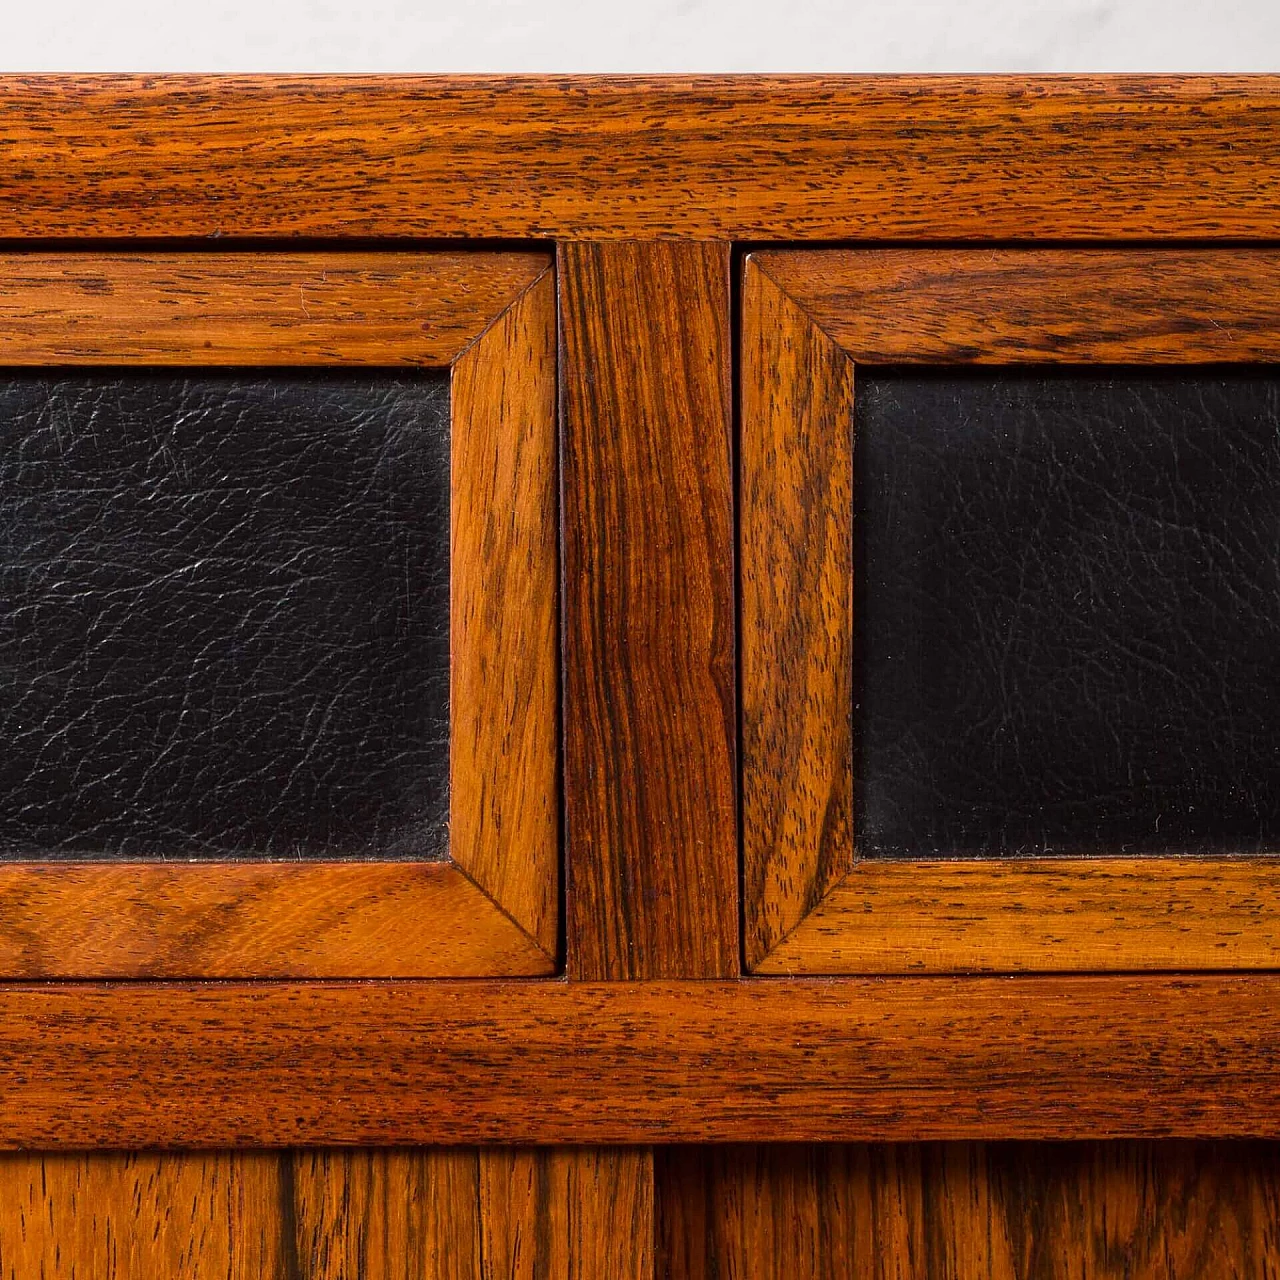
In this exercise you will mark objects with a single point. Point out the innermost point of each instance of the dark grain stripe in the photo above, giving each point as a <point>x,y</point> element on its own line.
<point>649,623</point>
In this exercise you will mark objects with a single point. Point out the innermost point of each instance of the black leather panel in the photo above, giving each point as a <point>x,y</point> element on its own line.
<point>1067,612</point>
<point>224,617</point>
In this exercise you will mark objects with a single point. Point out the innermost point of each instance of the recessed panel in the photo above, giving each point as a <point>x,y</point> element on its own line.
<point>224,624</point>
<point>1067,612</point>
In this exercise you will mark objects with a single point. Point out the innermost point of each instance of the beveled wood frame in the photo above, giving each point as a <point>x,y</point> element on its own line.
<point>810,319</point>
<point>490,908</point>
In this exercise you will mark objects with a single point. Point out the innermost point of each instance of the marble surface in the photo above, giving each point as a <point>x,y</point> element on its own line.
<point>652,36</point>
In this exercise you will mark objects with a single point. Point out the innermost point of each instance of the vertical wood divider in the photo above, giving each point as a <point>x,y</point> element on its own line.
<point>650,716</point>
<point>649,688</point>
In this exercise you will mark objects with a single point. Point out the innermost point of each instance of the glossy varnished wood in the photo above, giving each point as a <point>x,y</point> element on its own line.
<point>783,158</point>
<point>380,1215</point>
<point>1041,914</point>
<point>116,1217</point>
<point>1025,1211</point>
<point>504,826</point>
<point>492,907</point>
<point>1038,306</point>
<point>296,309</point>
<point>651,842</point>
<point>1142,1211</point>
<point>573,1213</point>
<point>797,601</point>
<point>393,1214</point>
<point>810,319</point>
<point>255,920</point>
<point>649,607</point>
<point>553,1062</point>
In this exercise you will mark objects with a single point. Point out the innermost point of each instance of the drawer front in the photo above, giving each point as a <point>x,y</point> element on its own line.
<point>279,614</point>
<point>1010,610</point>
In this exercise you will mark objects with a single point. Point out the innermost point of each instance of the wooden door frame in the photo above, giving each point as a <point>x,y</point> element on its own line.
<point>810,320</point>
<point>490,907</point>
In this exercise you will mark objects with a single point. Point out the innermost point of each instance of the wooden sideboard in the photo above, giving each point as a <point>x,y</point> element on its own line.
<point>621,972</point>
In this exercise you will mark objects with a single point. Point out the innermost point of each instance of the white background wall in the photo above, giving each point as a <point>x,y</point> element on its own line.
<point>639,35</point>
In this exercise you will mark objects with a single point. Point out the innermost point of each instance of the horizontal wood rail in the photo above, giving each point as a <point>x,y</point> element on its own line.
<point>693,157</point>
<point>486,1061</point>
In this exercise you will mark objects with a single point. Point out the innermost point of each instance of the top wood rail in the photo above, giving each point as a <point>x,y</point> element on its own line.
<point>746,158</point>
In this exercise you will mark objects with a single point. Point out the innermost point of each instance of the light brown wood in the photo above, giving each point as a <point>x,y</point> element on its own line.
<point>479,1061</point>
<point>797,601</point>
<point>571,1213</point>
<point>259,308</point>
<point>503,611</point>
<point>1041,914</point>
<point>650,735</point>
<point>1058,306</point>
<point>395,1214</point>
<point>381,1215</point>
<point>696,157</point>
<point>255,920</point>
<point>121,1217</point>
<point>1015,1211</point>
<point>492,908</point>
<point>809,320</point>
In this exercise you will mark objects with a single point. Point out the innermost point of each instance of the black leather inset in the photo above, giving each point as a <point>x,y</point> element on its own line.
<point>224,617</point>
<point>1067,612</point>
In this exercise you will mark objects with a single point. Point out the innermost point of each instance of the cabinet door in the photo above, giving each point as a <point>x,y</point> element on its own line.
<point>1011,610</point>
<point>278,628</point>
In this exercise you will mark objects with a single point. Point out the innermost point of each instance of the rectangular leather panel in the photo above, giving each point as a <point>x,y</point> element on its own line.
<point>224,614</point>
<point>1067,612</point>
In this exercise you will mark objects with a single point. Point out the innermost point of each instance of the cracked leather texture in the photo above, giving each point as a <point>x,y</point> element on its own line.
<point>1067,612</point>
<point>224,623</point>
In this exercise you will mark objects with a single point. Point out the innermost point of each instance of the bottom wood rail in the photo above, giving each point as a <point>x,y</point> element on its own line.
<point>213,1065</point>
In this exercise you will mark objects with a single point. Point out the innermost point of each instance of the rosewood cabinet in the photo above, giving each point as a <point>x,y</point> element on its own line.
<point>639,677</point>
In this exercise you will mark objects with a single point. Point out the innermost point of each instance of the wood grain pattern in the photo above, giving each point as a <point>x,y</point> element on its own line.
<point>120,1217</point>
<point>809,319</point>
<point>263,308</point>
<point>797,614</point>
<point>380,1215</point>
<point>481,1061</point>
<point>492,910</point>
<point>651,842</point>
<point>1025,1211</point>
<point>1057,306</point>
<point>255,920</point>
<point>767,158</point>
<point>568,1214</point>
<point>395,1214</point>
<point>1141,1211</point>
<point>504,730</point>
<point>1041,914</point>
